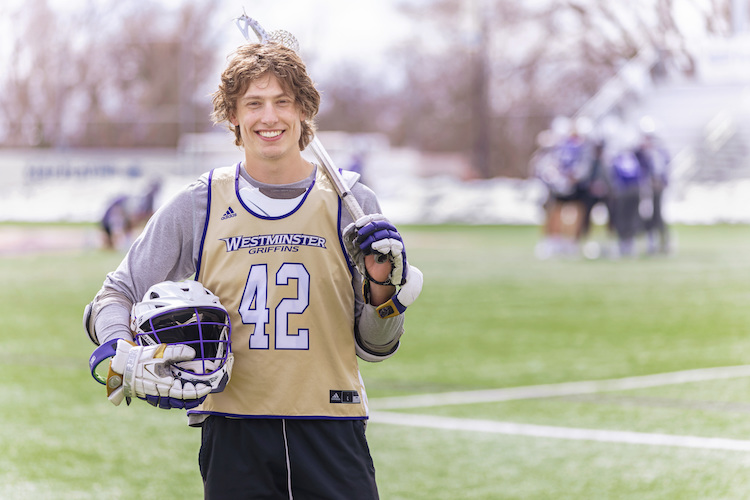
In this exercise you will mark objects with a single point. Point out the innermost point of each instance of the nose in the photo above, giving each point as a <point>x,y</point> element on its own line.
<point>269,116</point>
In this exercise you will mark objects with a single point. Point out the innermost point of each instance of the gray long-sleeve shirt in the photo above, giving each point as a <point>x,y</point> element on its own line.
<point>169,248</point>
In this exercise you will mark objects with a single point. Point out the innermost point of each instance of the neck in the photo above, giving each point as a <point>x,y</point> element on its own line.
<point>272,172</point>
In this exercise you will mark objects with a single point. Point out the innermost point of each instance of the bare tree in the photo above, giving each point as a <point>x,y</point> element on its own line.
<point>36,81</point>
<point>500,70</point>
<point>113,74</point>
<point>352,100</point>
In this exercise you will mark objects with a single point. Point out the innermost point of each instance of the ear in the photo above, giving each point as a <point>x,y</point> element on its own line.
<point>233,119</point>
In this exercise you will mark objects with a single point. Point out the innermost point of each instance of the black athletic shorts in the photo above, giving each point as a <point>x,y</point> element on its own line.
<point>285,459</point>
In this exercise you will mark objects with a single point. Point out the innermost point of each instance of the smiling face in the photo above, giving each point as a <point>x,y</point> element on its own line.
<point>269,121</point>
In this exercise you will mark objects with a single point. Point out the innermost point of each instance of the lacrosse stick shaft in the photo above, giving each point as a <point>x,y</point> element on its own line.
<point>349,201</point>
<point>245,24</point>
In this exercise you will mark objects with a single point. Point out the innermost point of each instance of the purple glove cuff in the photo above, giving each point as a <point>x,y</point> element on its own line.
<point>167,403</point>
<point>101,354</point>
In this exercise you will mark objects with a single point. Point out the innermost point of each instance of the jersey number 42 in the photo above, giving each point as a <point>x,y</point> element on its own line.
<point>254,308</point>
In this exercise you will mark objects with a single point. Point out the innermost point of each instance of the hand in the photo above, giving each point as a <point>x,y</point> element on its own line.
<point>146,373</point>
<point>378,270</point>
<point>373,235</point>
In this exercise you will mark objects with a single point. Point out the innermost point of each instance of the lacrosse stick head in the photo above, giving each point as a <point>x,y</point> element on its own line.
<point>282,37</point>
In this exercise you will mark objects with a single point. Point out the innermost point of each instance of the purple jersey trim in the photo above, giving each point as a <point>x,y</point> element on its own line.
<point>205,226</point>
<point>267,217</point>
<point>306,417</point>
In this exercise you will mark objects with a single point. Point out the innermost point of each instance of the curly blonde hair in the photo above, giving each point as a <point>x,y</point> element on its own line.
<point>253,61</point>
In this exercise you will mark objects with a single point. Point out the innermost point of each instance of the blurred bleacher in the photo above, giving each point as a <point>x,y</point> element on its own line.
<point>704,120</point>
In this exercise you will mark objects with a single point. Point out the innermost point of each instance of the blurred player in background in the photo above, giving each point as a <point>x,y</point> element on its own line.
<point>654,160</point>
<point>625,172</point>
<point>265,236</point>
<point>116,223</point>
<point>563,164</point>
<point>127,214</point>
<point>596,188</point>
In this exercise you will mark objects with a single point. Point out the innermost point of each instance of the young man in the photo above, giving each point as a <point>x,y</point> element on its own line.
<point>265,236</point>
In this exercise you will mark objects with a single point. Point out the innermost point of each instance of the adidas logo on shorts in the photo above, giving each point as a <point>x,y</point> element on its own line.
<point>229,214</point>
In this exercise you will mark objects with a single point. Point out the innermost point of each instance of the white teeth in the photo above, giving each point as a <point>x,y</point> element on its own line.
<point>270,133</point>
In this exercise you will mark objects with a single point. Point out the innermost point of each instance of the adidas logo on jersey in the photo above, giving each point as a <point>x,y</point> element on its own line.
<point>229,214</point>
<point>345,397</point>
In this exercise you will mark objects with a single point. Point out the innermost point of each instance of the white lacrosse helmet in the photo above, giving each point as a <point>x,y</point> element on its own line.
<point>187,313</point>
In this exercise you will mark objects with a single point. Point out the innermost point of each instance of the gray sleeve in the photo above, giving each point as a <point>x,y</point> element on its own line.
<point>167,249</point>
<point>377,338</point>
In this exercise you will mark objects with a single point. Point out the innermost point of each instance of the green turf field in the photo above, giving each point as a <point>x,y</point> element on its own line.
<point>491,316</point>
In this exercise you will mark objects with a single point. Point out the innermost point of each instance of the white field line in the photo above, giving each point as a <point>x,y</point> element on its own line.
<point>554,390</point>
<point>543,431</point>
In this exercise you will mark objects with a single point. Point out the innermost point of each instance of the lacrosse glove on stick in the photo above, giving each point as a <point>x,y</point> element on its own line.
<point>146,373</point>
<point>374,234</point>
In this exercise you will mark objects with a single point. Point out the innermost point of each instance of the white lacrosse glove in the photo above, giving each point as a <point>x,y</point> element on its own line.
<point>374,235</point>
<point>145,372</point>
<point>405,296</point>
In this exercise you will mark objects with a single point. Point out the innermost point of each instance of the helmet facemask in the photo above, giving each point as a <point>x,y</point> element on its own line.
<point>204,329</point>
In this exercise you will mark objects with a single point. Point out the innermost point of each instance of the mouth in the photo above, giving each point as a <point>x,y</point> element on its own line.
<point>269,134</point>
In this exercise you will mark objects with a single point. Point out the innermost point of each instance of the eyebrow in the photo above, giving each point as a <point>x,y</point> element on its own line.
<point>256,97</point>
